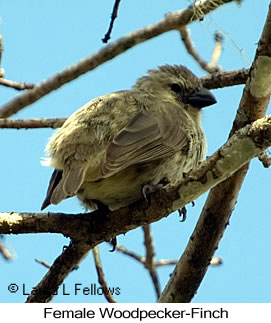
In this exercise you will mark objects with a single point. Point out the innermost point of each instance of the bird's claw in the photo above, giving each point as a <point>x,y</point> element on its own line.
<point>182,213</point>
<point>113,241</point>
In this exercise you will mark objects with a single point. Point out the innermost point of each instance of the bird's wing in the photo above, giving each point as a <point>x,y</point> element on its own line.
<point>63,184</point>
<point>146,138</point>
<point>54,180</point>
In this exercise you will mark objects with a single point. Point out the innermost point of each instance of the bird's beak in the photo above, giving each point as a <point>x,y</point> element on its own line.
<point>201,98</point>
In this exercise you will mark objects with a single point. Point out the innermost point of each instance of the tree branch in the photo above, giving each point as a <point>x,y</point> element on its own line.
<point>61,267</point>
<point>101,277</point>
<point>113,17</point>
<point>224,79</point>
<point>131,254</point>
<point>215,215</point>
<point>1,48</point>
<point>43,263</point>
<point>172,21</point>
<point>149,259</point>
<point>5,252</point>
<point>16,85</point>
<point>191,49</point>
<point>31,123</point>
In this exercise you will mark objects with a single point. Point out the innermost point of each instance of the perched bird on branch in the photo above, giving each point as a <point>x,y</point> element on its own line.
<point>119,147</point>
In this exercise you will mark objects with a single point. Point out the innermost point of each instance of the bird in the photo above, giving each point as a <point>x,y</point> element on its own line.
<point>119,147</point>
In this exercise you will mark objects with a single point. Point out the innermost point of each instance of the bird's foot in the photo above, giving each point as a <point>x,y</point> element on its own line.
<point>104,210</point>
<point>182,213</point>
<point>113,243</point>
<point>147,189</point>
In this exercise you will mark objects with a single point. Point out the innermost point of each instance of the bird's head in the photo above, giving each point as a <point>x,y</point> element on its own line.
<point>176,83</point>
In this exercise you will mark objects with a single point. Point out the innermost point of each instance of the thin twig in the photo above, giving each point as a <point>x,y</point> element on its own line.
<point>191,49</point>
<point>31,123</point>
<point>172,21</point>
<point>16,85</point>
<point>1,48</point>
<point>216,261</point>
<point>9,83</point>
<point>165,262</point>
<point>43,263</point>
<point>142,260</point>
<point>217,50</point>
<point>101,276</point>
<point>2,71</point>
<point>131,254</point>
<point>150,253</point>
<point>113,17</point>
<point>5,253</point>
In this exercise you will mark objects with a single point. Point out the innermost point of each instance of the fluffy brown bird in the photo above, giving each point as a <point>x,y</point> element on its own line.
<point>114,149</point>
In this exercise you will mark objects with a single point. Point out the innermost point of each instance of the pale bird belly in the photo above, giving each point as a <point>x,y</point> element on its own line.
<point>126,186</point>
<point>116,191</point>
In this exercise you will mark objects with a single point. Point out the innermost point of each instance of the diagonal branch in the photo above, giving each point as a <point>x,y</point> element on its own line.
<point>131,254</point>
<point>5,253</point>
<point>101,277</point>
<point>149,259</point>
<point>172,21</point>
<point>61,267</point>
<point>215,215</point>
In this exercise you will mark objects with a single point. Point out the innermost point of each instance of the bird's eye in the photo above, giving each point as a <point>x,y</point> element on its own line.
<point>176,88</point>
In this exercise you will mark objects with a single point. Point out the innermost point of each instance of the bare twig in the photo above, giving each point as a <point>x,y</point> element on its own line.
<point>165,262</point>
<point>43,263</point>
<point>5,252</point>
<point>1,48</point>
<point>131,254</point>
<point>113,17</point>
<point>9,83</point>
<point>172,21</point>
<point>221,200</point>
<point>16,85</point>
<point>216,261</point>
<point>2,71</point>
<point>101,277</point>
<point>141,259</point>
<point>149,262</point>
<point>191,49</point>
<point>217,50</point>
<point>31,123</point>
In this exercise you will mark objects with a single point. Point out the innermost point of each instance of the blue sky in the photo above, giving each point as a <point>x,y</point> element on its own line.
<point>43,37</point>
